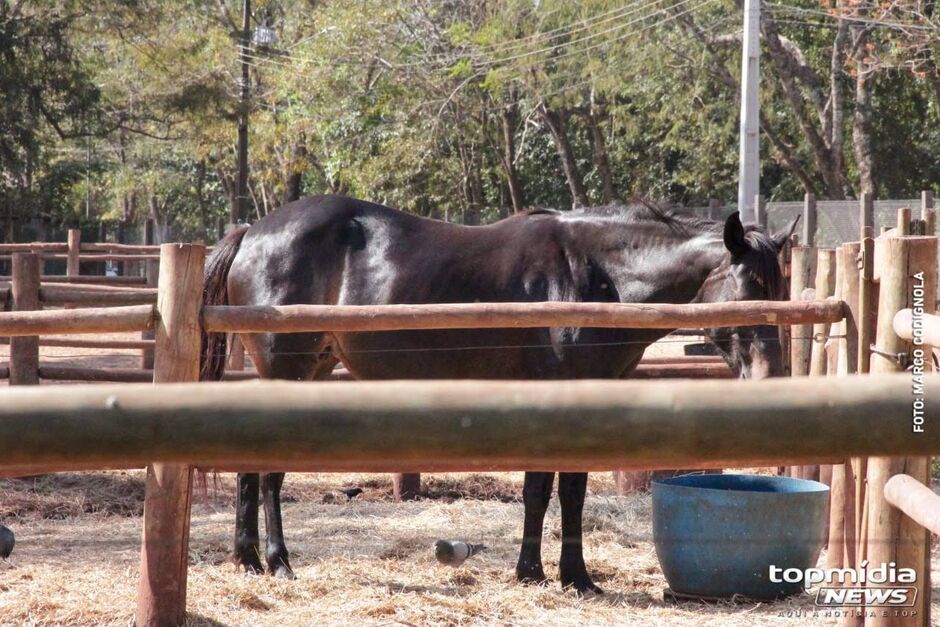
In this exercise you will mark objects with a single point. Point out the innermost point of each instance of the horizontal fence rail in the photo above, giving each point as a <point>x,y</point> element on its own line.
<point>407,426</point>
<point>309,318</point>
<point>929,325</point>
<point>76,295</point>
<point>90,320</point>
<point>90,280</point>
<point>55,372</point>
<point>92,257</point>
<point>916,500</point>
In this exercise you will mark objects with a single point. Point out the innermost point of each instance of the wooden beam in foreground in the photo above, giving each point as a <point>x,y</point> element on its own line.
<point>407,426</point>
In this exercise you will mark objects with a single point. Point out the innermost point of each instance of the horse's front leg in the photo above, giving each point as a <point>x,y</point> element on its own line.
<point>572,488</point>
<point>536,493</point>
<point>246,552</point>
<point>275,551</point>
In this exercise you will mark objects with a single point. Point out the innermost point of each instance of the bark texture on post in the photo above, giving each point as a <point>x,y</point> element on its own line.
<point>406,486</point>
<point>908,263</point>
<point>151,273</point>
<point>24,351</point>
<point>809,219</point>
<point>75,244</point>
<point>852,471</point>
<point>802,269</point>
<point>161,597</point>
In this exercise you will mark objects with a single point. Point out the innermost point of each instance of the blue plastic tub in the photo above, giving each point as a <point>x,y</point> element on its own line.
<point>718,535</point>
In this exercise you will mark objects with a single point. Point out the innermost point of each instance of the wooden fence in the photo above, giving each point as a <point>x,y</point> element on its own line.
<point>512,426</point>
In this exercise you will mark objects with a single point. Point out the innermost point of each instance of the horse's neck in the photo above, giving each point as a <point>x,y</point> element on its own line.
<point>649,264</point>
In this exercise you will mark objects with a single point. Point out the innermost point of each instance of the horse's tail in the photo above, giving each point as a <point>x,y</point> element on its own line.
<point>215,292</point>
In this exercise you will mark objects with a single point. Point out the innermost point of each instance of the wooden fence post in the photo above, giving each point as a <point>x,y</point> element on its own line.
<point>866,206</point>
<point>161,596</point>
<point>892,536</point>
<point>927,212</point>
<point>75,249</point>
<point>151,272</point>
<point>24,351</point>
<point>802,271</point>
<point>825,283</point>
<point>848,365</point>
<point>809,220</point>
<point>904,221</point>
<point>406,486</point>
<point>713,207</point>
<point>842,359</point>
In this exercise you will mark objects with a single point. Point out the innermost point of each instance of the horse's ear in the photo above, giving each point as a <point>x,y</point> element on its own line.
<point>780,239</point>
<point>734,235</point>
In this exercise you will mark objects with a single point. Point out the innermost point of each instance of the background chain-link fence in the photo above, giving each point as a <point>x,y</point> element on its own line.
<point>837,221</point>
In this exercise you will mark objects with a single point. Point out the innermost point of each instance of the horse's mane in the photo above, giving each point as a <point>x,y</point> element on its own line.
<point>766,269</point>
<point>640,210</point>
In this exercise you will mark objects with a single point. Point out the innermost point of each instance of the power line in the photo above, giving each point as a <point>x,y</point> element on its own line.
<point>892,24</point>
<point>632,32</point>
<point>493,63</point>
<point>562,31</point>
<point>503,60</point>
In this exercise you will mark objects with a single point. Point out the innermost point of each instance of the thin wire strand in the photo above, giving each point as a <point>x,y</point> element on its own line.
<point>495,63</point>
<point>566,88</point>
<point>893,24</point>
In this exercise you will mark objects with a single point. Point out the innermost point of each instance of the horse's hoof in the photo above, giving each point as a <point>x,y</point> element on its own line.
<point>251,565</point>
<point>533,575</point>
<point>284,572</point>
<point>250,569</point>
<point>581,583</point>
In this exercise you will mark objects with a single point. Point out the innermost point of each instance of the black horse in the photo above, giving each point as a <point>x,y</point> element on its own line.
<point>337,250</point>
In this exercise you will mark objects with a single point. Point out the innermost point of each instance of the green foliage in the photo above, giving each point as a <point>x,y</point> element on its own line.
<point>124,110</point>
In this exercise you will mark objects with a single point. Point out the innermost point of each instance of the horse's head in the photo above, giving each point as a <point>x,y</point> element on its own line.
<point>751,272</point>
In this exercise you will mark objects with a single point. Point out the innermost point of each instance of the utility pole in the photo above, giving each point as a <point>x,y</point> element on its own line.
<point>749,162</point>
<point>239,209</point>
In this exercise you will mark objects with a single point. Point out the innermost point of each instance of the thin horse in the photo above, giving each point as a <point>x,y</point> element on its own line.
<point>337,250</point>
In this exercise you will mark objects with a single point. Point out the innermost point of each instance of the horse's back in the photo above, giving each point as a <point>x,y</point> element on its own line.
<point>335,250</point>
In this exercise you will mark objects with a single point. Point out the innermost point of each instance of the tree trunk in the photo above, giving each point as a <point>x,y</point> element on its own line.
<point>599,151</point>
<point>293,181</point>
<point>557,126</point>
<point>862,123</point>
<point>813,134</point>
<point>508,119</point>
<point>154,209</point>
<point>201,197</point>
<point>837,102</point>
<point>783,151</point>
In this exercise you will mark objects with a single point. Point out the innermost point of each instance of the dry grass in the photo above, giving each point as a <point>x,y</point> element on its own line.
<point>366,560</point>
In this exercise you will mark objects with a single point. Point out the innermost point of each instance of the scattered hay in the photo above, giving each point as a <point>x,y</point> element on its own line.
<point>65,495</point>
<point>367,560</point>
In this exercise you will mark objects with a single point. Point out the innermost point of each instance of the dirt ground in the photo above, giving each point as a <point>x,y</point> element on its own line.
<point>367,560</point>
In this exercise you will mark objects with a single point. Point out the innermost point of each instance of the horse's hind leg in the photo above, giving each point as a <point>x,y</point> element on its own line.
<point>275,552</point>
<point>247,554</point>
<point>536,493</point>
<point>572,488</point>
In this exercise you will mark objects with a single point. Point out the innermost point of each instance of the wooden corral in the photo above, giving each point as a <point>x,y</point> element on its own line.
<point>424,426</point>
